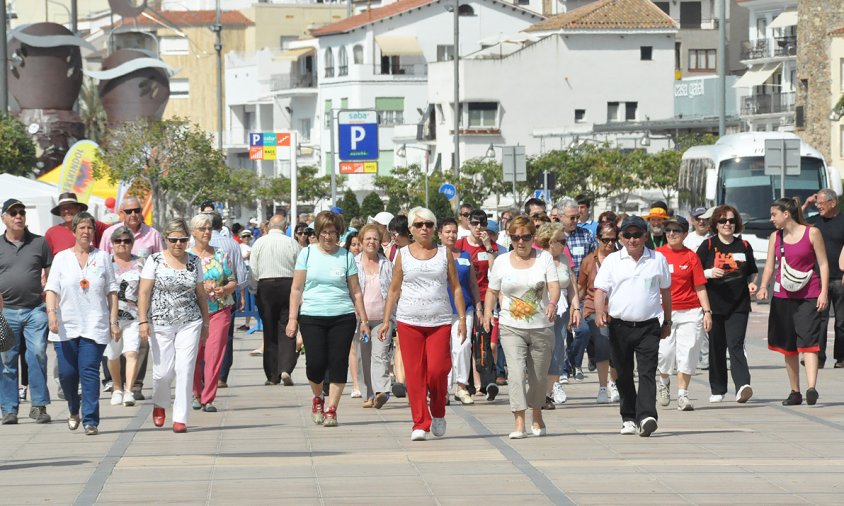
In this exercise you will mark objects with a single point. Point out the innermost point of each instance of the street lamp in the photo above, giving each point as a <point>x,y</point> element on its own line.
<point>401,152</point>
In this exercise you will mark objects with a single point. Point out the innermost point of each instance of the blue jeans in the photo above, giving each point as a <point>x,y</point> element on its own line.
<point>79,361</point>
<point>574,354</point>
<point>558,358</point>
<point>30,325</point>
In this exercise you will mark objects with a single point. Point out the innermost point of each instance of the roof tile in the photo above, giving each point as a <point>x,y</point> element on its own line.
<point>609,15</point>
<point>190,18</point>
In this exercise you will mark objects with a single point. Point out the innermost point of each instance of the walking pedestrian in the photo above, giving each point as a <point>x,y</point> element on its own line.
<point>629,286</point>
<point>61,237</point>
<point>419,294</point>
<point>801,294</point>
<point>352,243</point>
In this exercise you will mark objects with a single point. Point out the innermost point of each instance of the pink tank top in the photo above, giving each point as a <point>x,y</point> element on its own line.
<point>800,256</point>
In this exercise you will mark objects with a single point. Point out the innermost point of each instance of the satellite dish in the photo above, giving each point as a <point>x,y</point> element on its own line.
<point>128,8</point>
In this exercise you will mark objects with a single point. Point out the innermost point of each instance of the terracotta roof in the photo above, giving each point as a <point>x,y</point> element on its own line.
<point>189,18</point>
<point>393,9</point>
<point>609,15</point>
<point>837,31</point>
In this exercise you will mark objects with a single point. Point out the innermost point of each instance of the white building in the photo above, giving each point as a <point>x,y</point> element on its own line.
<point>611,61</point>
<point>771,59</point>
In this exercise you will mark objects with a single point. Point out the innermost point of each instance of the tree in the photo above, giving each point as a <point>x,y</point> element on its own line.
<point>480,178</point>
<point>349,204</point>
<point>175,158</point>
<point>440,206</point>
<point>311,188</point>
<point>17,151</point>
<point>663,172</point>
<point>92,112</point>
<point>402,189</point>
<point>372,205</point>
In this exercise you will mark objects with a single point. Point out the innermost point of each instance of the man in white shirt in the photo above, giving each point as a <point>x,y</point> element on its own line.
<point>463,229</point>
<point>632,281</point>
<point>700,223</point>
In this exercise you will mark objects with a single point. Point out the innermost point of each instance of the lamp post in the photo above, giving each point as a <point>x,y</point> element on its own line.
<point>456,97</point>
<point>401,152</point>
<point>4,77</point>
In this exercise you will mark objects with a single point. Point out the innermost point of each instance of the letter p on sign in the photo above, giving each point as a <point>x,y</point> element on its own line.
<point>358,133</point>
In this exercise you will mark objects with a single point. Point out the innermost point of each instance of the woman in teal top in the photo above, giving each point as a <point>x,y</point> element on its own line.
<point>323,301</point>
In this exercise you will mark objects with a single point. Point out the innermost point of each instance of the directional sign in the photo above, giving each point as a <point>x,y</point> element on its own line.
<point>358,167</point>
<point>448,190</point>
<point>358,135</point>
<point>264,145</point>
<point>541,194</point>
<point>514,163</point>
<point>782,154</point>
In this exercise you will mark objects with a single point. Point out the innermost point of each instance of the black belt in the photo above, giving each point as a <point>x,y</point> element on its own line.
<point>625,323</point>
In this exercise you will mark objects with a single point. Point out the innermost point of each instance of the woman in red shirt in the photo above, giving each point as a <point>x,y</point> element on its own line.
<point>690,310</point>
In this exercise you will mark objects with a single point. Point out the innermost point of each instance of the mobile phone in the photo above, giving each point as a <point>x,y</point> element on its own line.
<point>365,337</point>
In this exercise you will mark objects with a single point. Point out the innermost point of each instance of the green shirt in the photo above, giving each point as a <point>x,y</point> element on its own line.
<point>326,290</point>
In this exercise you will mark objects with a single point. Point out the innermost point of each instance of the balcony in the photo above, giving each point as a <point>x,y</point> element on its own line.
<point>768,104</point>
<point>281,82</point>
<point>411,69</point>
<point>778,47</point>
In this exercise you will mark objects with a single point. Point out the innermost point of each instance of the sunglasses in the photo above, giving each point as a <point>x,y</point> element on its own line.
<point>632,235</point>
<point>477,224</point>
<point>727,221</point>
<point>538,215</point>
<point>519,238</point>
<point>465,215</point>
<point>561,242</point>
<point>174,240</point>
<point>122,241</point>
<point>16,212</point>
<point>673,231</point>
<point>426,224</point>
<point>608,240</point>
<point>136,210</point>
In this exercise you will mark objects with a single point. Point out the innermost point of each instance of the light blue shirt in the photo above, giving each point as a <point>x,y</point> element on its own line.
<point>326,291</point>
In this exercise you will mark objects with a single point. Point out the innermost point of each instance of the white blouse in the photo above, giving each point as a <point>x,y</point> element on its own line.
<point>82,311</point>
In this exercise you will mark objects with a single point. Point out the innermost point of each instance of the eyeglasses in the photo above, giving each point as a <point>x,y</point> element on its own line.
<point>174,240</point>
<point>123,241</point>
<point>632,235</point>
<point>561,242</point>
<point>203,229</point>
<point>608,240</point>
<point>519,238</point>
<point>328,233</point>
<point>538,215</point>
<point>477,223</point>
<point>136,210</point>
<point>16,212</point>
<point>428,224</point>
<point>673,231</point>
<point>465,215</point>
<point>727,221</point>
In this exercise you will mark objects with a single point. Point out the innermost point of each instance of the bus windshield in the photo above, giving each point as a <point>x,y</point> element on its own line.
<point>743,184</point>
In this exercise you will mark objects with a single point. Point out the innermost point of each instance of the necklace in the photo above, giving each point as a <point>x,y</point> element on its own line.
<point>84,283</point>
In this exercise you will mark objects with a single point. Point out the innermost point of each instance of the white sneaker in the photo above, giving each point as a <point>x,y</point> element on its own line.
<point>117,398</point>
<point>128,399</point>
<point>684,404</point>
<point>603,396</point>
<point>564,379</point>
<point>663,395</point>
<point>355,394</point>
<point>614,395</point>
<point>647,427</point>
<point>628,428</point>
<point>744,394</point>
<point>438,427</point>
<point>716,398</point>
<point>464,397</point>
<point>108,387</point>
<point>517,435</point>
<point>559,394</point>
<point>418,435</point>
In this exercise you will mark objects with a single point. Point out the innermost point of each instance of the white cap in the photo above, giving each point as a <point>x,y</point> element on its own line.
<point>383,218</point>
<point>707,214</point>
<point>253,221</point>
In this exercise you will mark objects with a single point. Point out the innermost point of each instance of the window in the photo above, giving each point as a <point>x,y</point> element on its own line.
<point>761,28</point>
<point>465,10</point>
<point>580,115</point>
<point>305,130</point>
<point>390,111</point>
<point>703,59</point>
<point>344,103</point>
<point>440,114</point>
<point>612,111</point>
<point>285,40</point>
<point>622,111</point>
<point>174,45</point>
<point>483,114</point>
<point>357,54</point>
<point>677,50</point>
<point>630,109</point>
<point>690,15</point>
<point>664,6</point>
<point>329,63</point>
<point>646,53</point>
<point>342,62</point>
<point>327,112</point>
<point>445,52</point>
<point>179,88</point>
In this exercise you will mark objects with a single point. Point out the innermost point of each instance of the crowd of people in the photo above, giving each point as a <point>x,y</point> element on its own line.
<point>436,309</point>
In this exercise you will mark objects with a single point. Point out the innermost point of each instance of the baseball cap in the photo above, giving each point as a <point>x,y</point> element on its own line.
<point>492,226</point>
<point>245,231</point>
<point>683,222</point>
<point>698,211</point>
<point>634,221</point>
<point>335,209</point>
<point>10,203</point>
<point>253,221</point>
<point>382,218</point>
<point>707,214</point>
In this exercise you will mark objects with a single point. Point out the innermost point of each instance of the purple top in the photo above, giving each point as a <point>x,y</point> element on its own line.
<point>800,256</point>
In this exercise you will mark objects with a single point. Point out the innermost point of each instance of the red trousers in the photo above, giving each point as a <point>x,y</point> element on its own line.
<point>209,358</point>
<point>426,352</point>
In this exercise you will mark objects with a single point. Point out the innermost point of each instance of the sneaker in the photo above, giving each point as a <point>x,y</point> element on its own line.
<point>592,366</point>
<point>839,364</point>
<point>91,430</point>
<point>330,419</point>
<point>316,410</point>
<point>663,395</point>
<point>116,398</point>
<point>703,365</point>
<point>355,394</point>
<point>39,414</point>
<point>549,403</point>
<point>793,399</point>
<point>243,328</point>
<point>138,393</point>
<point>603,396</point>
<point>579,375</point>
<point>501,381</point>
<point>128,399</point>
<point>628,428</point>
<point>744,394</point>
<point>380,399</point>
<point>73,422</point>
<point>418,435</point>
<point>564,379</point>
<point>22,394</point>
<point>195,404</point>
<point>558,393</point>
<point>614,395</point>
<point>286,380</point>
<point>811,396</point>
<point>257,352</point>
<point>517,435</point>
<point>60,394</point>
<point>438,426</point>
<point>108,387</point>
<point>399,390</point>
<point>222,384</point>
<point>491,391</point>
<point>538,431</point>
<point>463,397</point>
<point>684,404</point>
<point>716,398</point>
<point>209,408</point>
<point>9,419</point>
<point>647,427</point>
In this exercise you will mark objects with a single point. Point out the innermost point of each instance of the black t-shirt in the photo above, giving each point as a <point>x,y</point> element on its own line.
<point>655,241</point>
<point>728,294</point>
<point>832,230</point>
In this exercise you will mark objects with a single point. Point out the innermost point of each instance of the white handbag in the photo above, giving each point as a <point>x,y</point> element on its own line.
<point>791,279</point>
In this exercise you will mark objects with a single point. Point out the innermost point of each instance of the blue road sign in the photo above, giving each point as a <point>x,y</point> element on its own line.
<point>448,190</point>
<point>540,194</point>
<point>358,135</point>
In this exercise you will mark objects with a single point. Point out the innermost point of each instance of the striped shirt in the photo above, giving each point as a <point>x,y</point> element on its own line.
<point>273,256</point>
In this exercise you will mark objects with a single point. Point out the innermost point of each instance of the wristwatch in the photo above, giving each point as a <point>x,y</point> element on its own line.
<point>667,323</point>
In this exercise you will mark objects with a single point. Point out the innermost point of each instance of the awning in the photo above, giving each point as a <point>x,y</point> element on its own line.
<point>757,76</point>
<point>395,45</point>
<point>784,20</point>
<point>294,54</point>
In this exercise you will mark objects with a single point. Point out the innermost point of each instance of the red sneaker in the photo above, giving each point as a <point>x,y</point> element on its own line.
<point>158,416</point>
<point>179,428</point>
<point>316,410</point>
<point>330,417</point>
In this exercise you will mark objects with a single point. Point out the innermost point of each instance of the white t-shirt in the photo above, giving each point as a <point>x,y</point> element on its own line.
<point>633,287</point>
<point>424,300</point>
<point>245,252</point>
<point>693,240</point>
<point>523,293</point>
<point>82,312</point>
<point>463,232</point>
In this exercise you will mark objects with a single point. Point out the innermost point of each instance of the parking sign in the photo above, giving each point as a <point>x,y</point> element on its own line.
<point>358,135</point>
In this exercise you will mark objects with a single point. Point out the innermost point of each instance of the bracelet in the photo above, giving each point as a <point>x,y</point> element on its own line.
<point>707,311</point>
<point>576,309</point>
<point>141,323</point>
<point>115,323</point>
<point>53,310</point>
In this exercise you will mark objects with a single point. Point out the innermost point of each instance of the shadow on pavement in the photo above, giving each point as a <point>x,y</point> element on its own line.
<point>281,454</point>
<point>58,463</point>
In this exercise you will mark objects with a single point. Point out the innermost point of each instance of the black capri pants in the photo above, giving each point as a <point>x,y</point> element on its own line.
<point>328,340</point>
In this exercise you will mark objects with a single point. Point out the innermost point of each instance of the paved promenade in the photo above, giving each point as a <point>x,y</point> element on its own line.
<point>262,448</point>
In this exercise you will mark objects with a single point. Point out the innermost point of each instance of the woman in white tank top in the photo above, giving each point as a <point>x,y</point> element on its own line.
<point>420,283</point>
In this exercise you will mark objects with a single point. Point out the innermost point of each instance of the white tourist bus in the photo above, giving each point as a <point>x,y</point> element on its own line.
<point>732,171</point>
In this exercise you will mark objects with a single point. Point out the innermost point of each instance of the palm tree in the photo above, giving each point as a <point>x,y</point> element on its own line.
<point>92,112</point>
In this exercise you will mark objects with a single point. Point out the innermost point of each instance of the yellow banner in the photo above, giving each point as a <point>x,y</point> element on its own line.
<point>78,170</point>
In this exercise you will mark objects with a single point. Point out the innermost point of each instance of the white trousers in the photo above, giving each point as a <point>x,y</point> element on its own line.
<point>174,357</point>
<point>679,351</point>
<point>461,354</point>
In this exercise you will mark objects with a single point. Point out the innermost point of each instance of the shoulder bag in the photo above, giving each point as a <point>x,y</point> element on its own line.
<point>791,279</point>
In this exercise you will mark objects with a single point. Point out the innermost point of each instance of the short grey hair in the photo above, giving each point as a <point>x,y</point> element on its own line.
<point>200,220</point>
<point>829,194</point>
<point>277,222</point>
<point>568,204</point>
<point>176,225</point>
<point>129,198</point>
<point>121,231</point>
<point>83,216</point>
<point>421,212</point>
